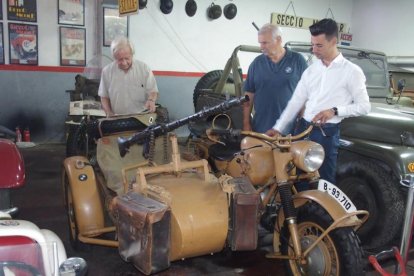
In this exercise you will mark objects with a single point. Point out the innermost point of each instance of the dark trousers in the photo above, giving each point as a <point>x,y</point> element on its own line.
<point>328,136</point>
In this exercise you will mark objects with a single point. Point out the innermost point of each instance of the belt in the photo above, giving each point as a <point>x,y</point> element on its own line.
<point>326,125</point>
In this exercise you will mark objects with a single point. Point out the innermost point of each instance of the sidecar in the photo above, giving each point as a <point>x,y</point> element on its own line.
<point>160,213</point>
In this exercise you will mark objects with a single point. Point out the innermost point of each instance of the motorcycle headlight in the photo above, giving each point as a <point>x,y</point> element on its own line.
<point>307,155</point>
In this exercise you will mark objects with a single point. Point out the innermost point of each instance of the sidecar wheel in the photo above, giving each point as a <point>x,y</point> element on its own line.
<point>339,253</point>
<point>371,188</point>
<point>70,210</point>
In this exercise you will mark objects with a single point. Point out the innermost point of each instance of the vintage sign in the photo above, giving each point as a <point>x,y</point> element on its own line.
<point>21,10</point>
<point>23,44</point>
<point>299,22</point>
<point>127,7</point>
<point>345,39</point>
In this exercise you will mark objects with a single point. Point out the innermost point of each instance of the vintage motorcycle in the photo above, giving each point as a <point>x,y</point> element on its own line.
<point>180,210</point>
<point>305,225</point>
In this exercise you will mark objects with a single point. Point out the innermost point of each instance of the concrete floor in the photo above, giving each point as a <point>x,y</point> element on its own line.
<point>41,201</point>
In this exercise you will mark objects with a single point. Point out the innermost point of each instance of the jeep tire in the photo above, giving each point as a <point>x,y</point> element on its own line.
<point>372,188</point>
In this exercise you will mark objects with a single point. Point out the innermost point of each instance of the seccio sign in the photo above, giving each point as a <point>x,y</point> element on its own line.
<point>293,21</point>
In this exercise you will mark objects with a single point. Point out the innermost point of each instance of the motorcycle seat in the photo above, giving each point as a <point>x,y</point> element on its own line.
<point>224,152</point>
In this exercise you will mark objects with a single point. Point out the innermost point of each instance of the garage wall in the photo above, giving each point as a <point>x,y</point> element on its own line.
<point>384,25</point>
<point>177,47</point>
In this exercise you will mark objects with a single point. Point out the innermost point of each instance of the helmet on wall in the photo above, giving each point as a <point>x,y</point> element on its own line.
<point>166,6</point>
<point>214,11</point>
<point>190,7</point>
<point>142,4</point>
<point>230,11</point>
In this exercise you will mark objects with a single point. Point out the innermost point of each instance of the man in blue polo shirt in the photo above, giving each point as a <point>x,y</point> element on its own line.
<point>271,80</point>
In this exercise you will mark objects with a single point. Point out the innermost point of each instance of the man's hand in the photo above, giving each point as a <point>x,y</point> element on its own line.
<point>273,133</point>
<point>150,105</point>
<point>323,116</point>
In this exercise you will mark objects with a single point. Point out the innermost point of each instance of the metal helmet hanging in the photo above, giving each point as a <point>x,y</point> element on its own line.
<point>190,8</point>
<point>214,11</point>
<point>166,6</point>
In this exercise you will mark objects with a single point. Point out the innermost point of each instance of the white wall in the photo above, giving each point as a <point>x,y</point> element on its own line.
<point>384,25</point>
<point>48,31</point>
<point>176,42</point>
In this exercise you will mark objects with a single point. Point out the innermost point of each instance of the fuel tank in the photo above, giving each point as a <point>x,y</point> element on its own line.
<point>12,172</point>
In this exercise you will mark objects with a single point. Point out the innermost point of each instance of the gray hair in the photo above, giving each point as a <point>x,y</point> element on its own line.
<point>270,28</point>
<point>121,42</point>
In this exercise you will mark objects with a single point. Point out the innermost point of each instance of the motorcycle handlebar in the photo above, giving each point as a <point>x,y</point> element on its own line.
<point>262,136</point>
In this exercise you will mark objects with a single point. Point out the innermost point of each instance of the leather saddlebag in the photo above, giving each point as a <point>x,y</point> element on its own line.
<point>143,227</point>
<point>244,210</point>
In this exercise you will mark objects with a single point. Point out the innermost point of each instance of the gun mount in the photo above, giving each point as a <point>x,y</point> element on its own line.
<point>160,129</point>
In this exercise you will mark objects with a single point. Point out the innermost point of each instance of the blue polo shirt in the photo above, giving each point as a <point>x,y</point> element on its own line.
<point>273,85</point>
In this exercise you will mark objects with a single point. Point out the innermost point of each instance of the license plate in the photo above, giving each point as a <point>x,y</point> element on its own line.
<point>337,194</point>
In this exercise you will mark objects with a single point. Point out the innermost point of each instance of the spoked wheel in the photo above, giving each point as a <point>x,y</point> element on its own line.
<point>339,253</point>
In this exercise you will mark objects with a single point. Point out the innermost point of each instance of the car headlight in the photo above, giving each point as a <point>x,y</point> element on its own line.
<point>307,155</point>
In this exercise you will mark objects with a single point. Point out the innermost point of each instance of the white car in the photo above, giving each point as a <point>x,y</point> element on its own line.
<point>27,250</point>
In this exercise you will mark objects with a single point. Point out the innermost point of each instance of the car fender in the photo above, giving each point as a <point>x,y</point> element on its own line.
<point>85,193</point>
<point>400,159</point>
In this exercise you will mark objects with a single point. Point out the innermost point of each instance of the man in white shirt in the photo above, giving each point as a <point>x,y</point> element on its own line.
<point>331,89</point>
<point>127,86</point>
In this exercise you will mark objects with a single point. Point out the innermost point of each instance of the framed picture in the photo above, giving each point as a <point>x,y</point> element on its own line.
<point>71,12</point>
<point>1,44</point>
<point>1,9</point>
<point>113,25</point>
<point>21,10</point>
<point>23,44</point>
<point>72,46</point>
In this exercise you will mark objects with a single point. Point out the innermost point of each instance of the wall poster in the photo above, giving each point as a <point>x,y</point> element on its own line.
<point>72,46</point>
<point>71,12</point>
<point>1,9</point>
<point>113,25</point>
<point>22,10</point>
<point>1,43</point>
<point>23,44</point>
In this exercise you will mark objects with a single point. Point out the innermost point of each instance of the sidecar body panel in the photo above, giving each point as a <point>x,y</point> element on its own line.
<point>85,194</point>
<point>199,214</point>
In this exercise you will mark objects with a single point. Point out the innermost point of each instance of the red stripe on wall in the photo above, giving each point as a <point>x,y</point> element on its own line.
<point>62,69</point>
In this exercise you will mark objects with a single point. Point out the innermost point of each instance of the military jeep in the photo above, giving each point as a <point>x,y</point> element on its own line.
<point>376,154</point>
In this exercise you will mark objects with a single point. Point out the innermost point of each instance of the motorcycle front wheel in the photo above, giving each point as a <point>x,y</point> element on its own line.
<point>339,253</point>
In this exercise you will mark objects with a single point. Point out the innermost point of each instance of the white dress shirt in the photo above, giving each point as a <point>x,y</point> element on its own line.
<point>340,85</point>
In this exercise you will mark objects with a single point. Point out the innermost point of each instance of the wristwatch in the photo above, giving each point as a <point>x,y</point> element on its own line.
<point>335,110</point>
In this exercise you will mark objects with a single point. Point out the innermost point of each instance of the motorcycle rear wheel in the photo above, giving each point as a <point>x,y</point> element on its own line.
<point>339,253</point>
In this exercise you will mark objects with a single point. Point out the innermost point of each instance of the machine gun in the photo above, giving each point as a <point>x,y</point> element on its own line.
<point>160,129</point>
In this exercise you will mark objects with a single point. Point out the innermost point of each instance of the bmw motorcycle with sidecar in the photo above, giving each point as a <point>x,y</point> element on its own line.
<point>172,211</point>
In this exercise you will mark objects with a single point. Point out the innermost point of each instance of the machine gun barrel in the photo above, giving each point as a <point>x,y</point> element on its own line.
<point>160,129</point>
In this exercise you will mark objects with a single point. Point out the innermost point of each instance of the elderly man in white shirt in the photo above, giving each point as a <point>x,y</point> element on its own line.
<point>127,85</point>
<point>331,89</point>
